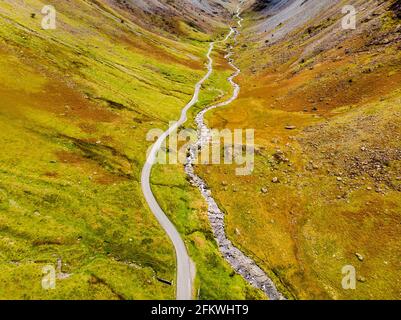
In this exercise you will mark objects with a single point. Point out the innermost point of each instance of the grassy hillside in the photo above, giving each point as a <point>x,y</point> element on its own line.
<point>75,106</point>
<point>184,205</point>
<point>325,104</point>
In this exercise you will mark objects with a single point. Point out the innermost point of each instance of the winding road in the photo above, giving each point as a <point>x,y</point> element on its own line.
<point>185,267</point>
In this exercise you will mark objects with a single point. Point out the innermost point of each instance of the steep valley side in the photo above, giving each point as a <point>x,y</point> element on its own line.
<point>325,106</point>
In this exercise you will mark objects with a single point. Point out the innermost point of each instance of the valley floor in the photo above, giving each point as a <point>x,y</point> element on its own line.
<point>77,103</point>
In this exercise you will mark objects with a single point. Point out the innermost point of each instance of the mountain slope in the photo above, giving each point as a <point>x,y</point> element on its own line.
<point>325,104</point>
<point>76,104</point>
<point>165,15</point>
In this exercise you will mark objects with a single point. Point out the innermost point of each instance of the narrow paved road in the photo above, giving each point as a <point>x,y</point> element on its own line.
<point>185,267</point>
<point>184,290</point>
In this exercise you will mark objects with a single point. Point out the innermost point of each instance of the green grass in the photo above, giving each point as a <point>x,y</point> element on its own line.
<point>76,219</point>
<point>188,211</point>
<point>76,104</point>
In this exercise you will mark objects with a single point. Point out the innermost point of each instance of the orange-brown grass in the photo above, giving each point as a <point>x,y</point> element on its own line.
<point>311,224</point>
